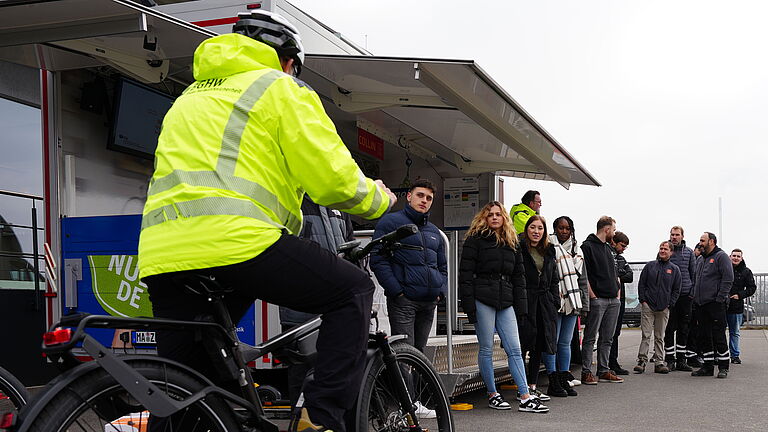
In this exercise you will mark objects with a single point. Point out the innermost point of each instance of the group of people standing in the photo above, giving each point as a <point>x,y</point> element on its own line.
<point>529,286</point>
<point>688,297</point>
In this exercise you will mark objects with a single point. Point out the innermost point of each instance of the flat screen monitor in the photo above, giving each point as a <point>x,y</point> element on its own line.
<point>138,116</point>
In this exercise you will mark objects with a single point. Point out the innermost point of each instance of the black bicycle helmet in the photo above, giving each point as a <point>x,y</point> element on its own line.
<point>275,31</point>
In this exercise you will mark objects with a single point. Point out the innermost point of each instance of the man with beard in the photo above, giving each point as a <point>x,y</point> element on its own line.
<point>603,302</point>
<point>714,277</point>
<point>680,313</point>
<point>743,287</point>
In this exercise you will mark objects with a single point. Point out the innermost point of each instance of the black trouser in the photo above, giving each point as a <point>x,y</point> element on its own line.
<point>712,342</point>
<point>537,346</point>
<point>693,334</point>
<point>677,328</point>
<point>297,373</point>
<point>576,343</point>
<point>613,357</point>
<point>298,274</point>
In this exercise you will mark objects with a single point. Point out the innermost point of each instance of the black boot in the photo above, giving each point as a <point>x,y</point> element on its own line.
<point>706,370</point>
<point>683,366</point>
<point>563,376</point>
<point>695,361</point>
<point>555,387</point>
<point>671,363</point>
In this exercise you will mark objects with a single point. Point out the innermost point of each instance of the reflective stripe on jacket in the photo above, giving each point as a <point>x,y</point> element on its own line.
<point>237,151</point>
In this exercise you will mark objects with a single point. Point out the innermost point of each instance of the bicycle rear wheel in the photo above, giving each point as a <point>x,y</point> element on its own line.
<point>13,394</point>
<point>95,402</point>
<point>378,409</point>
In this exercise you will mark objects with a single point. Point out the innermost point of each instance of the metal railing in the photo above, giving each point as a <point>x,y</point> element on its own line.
<point>759,302</point>
<point>451,247</point>
<point>35,256</point>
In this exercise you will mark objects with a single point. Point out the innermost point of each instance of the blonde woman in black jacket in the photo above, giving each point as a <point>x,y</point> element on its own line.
<point>492,288</point>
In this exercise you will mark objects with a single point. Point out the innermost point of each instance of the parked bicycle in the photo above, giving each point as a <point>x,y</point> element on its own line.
<point>115,393</point>
<point>13,394</point>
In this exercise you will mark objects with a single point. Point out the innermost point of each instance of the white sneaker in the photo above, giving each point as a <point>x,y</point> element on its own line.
<point>498,402</point>
<point>533,405</point>
<point>423,412</point>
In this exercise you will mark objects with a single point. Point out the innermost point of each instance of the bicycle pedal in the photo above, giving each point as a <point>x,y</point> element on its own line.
<point>304,424</point>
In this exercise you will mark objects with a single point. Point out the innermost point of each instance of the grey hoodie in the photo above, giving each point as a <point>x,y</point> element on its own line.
<point>714,276</point>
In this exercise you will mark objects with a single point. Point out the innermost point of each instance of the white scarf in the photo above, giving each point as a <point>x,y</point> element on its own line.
<point>569,268</point>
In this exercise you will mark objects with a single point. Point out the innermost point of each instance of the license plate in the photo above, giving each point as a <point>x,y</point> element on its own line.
<point>144,337</point>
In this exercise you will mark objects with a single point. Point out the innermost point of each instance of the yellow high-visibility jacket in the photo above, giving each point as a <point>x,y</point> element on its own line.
<point>237,151</point>
<point>520,213</point>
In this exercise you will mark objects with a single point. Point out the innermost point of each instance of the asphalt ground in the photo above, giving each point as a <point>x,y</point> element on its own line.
<point>675,401</point>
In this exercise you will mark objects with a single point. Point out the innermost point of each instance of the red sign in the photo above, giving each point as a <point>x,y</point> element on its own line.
<point>370,143</point>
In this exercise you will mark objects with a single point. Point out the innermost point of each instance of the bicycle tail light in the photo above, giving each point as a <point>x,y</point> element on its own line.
<point>7,421</point>
<point>57,337</point>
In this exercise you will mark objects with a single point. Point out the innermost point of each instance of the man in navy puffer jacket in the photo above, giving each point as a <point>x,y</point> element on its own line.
<point>413,280</point>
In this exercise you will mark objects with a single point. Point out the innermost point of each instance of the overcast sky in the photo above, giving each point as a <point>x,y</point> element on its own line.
<point>664,102</point>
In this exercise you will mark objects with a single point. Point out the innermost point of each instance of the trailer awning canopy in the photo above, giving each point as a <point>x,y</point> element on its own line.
<point>74,34</point>
<point>446,109</point>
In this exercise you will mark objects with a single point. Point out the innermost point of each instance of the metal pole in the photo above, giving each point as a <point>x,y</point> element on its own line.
<point>36,262</point>
<point>450,308</point>
<point>720,220</point>
<point>454,298</point>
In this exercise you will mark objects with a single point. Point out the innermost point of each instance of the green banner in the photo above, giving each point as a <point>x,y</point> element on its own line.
<point>117,287</point>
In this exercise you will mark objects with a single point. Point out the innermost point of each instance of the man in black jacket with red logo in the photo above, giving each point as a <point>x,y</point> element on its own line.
<point>658,290</point>
<point>714,277</point>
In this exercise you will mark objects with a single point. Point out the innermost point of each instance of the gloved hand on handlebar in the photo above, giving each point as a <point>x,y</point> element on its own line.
<point>392,197</point>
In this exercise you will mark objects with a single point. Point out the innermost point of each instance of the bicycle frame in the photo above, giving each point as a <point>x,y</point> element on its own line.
<point>152,398</point>
<point>296,345</point>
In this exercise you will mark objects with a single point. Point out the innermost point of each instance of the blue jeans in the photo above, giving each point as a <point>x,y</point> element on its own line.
<point>505,323</point>
<point>565,324</point>
<point>734,322</point>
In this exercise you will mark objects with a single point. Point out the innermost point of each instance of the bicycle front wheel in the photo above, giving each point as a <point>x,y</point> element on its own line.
<point>378,409</point>
<point>96,402</point>
<point>13,394</point>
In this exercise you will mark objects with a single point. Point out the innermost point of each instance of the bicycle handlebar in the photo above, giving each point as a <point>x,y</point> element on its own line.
<point>387,241</point>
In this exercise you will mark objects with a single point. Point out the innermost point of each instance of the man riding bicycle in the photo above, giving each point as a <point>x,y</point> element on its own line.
<point>237,151</point>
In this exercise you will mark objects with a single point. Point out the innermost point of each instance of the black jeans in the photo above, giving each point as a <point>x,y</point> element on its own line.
<point>693,334</point>
<point>412,318</point>
<point>613,357</point>
<point>537,346</point>
<point>298,274</point>
<point>677,328</point>
<point>712,341</point>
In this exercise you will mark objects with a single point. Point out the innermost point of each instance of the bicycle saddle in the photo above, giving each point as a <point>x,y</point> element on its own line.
<point>202,284</point>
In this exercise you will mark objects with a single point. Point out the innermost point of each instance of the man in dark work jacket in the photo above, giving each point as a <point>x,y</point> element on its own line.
<point>658,290</point>
<point>714,277</point>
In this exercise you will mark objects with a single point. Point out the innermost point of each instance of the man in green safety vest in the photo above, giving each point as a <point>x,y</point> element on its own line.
<point>529,205</point>
<point>237,151</point>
